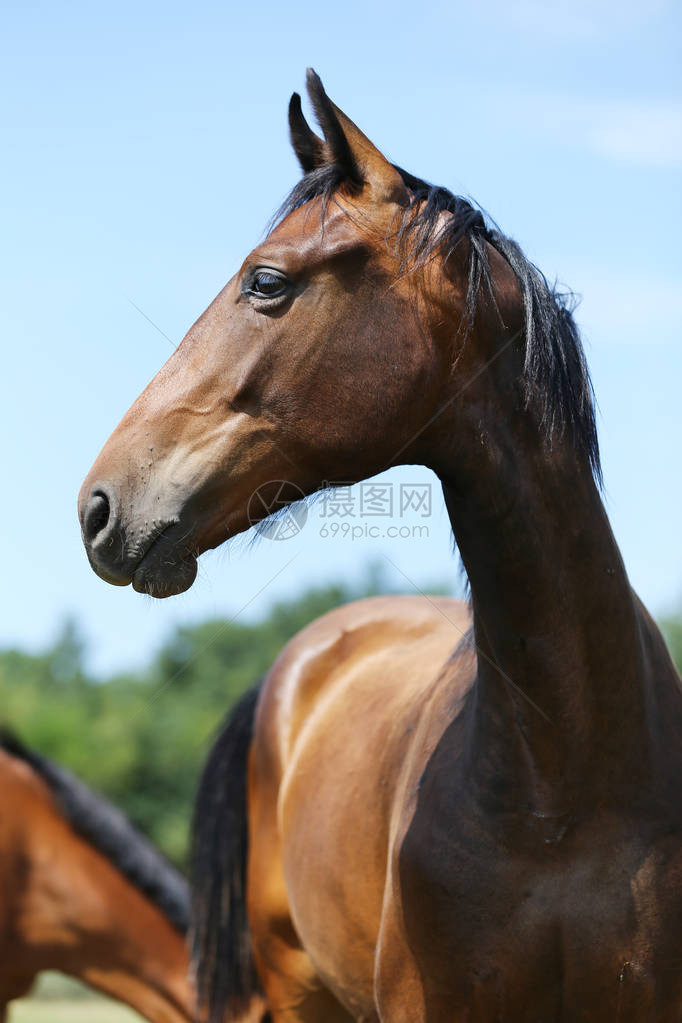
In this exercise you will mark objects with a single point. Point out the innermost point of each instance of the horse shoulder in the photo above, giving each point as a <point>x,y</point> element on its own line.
<point>338,715</point>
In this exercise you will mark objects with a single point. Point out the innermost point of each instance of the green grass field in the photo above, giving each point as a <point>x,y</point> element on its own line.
<point>58,999</point>
<point>82,1011</point>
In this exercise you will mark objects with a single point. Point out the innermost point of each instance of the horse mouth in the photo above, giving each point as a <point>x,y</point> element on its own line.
<point>168,566</point>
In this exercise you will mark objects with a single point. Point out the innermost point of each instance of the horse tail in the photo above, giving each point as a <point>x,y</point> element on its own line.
<point>224,968</point>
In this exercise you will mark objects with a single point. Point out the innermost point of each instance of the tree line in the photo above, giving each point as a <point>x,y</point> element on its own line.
<point>140,738</point>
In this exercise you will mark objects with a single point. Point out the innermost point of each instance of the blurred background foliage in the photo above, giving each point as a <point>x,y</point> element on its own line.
<point>141,738</point>
<point>672,630</point>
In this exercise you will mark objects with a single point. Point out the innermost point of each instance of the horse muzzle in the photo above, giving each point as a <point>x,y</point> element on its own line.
<point>152,553</point>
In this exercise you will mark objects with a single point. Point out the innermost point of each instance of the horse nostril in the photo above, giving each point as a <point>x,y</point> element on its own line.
<point>96,516</point>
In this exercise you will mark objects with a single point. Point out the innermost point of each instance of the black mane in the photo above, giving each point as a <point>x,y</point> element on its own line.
<point>111,833</point>
<point>556,379</point>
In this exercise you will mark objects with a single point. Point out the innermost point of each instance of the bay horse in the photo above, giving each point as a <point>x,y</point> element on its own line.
<point>408,825</point>
<point>84,893</point>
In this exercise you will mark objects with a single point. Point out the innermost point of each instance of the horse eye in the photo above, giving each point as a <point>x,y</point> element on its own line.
<point>268,284</point>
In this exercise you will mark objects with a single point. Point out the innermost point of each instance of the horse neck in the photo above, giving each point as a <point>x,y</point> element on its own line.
<point>158,991</point>
<point>562,667</point>
<point>84,918</point>
<point>147,970</point>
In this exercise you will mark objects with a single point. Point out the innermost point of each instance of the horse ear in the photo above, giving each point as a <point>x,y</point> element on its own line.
<point>309,148</point>
<point>347,146</point>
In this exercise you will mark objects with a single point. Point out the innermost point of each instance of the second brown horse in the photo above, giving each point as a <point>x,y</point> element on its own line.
<point>82,892</point>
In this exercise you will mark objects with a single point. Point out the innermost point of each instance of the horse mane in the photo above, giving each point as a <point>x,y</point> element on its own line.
<point>555,378</point>
<point>109,831</point>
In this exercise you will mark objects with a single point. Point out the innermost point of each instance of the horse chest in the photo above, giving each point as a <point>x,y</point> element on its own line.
<point>582,929</point>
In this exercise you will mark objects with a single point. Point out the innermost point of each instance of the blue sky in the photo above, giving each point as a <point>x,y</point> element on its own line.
<point>146,149</point>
